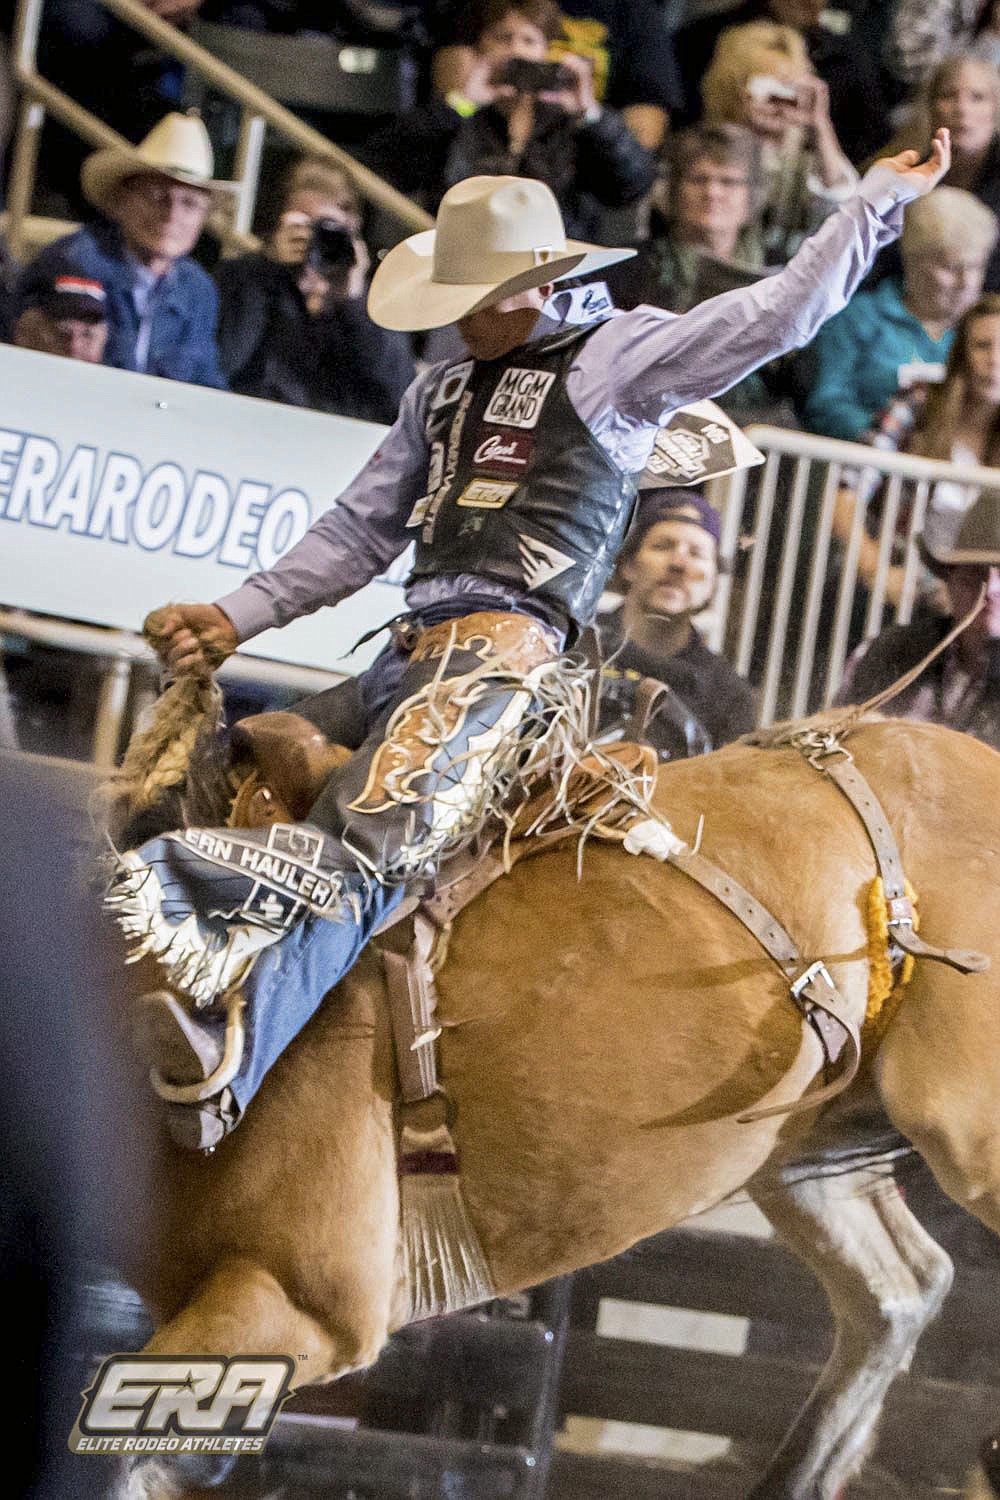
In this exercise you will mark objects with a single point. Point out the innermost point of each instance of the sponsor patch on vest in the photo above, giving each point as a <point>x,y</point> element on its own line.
<point>539,561</point>
<point>452,384</point>
<point>486,494</point>
<point>504,452</point>
<point>519,397</point>
<point>419,511</point>
<point>436,498</point>
<point>435,467</point>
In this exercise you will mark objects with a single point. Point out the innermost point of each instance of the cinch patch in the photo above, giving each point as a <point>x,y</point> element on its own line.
<point>504,452</point>
<point>519,397</point>
<point>487,494</point>
<point>452,384</point>
<point>690,449</point>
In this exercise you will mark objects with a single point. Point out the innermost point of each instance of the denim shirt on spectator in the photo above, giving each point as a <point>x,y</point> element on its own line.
<point>179,311</point>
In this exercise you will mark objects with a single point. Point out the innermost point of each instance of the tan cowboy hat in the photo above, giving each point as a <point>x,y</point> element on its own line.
<point>977,542</point>
<point>494,236</point>
<point>178,148</point>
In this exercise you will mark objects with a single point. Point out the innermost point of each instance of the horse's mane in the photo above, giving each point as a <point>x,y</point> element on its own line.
<point>174,774</point>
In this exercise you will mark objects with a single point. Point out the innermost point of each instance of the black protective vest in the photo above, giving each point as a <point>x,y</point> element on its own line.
<point>518,489</point>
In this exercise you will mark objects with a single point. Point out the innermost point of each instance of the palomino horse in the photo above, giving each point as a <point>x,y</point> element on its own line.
<point>603,1030</point>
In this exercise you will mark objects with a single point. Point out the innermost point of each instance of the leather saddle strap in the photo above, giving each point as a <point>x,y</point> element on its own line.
<point>840,768</point>
<point>813,989</point>
<point>412,1000</point>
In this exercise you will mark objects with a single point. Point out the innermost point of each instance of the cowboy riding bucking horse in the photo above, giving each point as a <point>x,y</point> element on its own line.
<point>514,471</point>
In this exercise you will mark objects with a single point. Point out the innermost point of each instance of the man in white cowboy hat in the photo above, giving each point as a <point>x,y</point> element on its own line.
<point>961,687</point>
<point>514,472</point>
<point>153,199</point>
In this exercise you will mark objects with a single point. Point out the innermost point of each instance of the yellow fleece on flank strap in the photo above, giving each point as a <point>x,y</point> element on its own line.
<point>885,990</point>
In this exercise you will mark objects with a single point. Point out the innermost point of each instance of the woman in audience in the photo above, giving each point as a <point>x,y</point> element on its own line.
<point>519,123</point>
<point>923,32</point>
<point>887,336</point>
<point>706,238</point>
<point>957,420</point>
<point>705,222</point>
<point>760,77</point>
<point>629,43</point>
<point>962,93</point>
<point>293,325</point>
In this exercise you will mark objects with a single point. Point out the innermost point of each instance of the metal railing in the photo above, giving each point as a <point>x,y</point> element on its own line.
<point>123,651</point>
<point>40,97</point>
<point>787,613</point>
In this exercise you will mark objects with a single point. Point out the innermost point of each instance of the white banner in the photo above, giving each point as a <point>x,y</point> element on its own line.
<point>120,492</point>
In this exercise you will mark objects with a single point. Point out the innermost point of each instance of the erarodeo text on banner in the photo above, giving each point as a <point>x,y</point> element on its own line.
<point>120,492</point>
<point>114,496</point>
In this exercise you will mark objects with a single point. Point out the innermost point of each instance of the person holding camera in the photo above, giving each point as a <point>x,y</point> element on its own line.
<point>761,78</point>
<point>292,320</point>
<point>519,114</point>
<point>843,48</point>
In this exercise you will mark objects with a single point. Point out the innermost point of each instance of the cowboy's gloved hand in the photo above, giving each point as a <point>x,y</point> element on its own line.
<point>191,637</point>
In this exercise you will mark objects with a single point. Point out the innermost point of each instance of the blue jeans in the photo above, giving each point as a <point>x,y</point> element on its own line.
<point>383,818</point>
<point>288,982</point>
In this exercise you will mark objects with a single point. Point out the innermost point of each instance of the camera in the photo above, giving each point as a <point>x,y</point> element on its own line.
<point>330,249</point>
<point>535,77</point>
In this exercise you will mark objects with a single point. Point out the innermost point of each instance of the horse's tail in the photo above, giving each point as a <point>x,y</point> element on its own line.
<point>137,1479</point>
<point>168,1479</point>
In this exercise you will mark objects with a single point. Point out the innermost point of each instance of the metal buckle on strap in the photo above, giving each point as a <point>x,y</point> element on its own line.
<point>818,746</point>
<point>900,912</point>
<point>815,971</point>
<point>425,1038</point>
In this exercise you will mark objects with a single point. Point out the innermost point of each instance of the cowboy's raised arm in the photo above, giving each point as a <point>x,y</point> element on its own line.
<point>348,546</point>
<point>645,364</point>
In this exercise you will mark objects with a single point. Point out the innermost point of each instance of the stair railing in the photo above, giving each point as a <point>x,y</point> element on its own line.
<point>40,97</point>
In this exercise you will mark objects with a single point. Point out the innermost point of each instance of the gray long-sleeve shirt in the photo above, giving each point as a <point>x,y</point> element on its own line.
<point>627,380</point>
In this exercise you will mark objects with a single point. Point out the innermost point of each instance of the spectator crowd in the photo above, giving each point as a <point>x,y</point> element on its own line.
<point>714,140</point>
